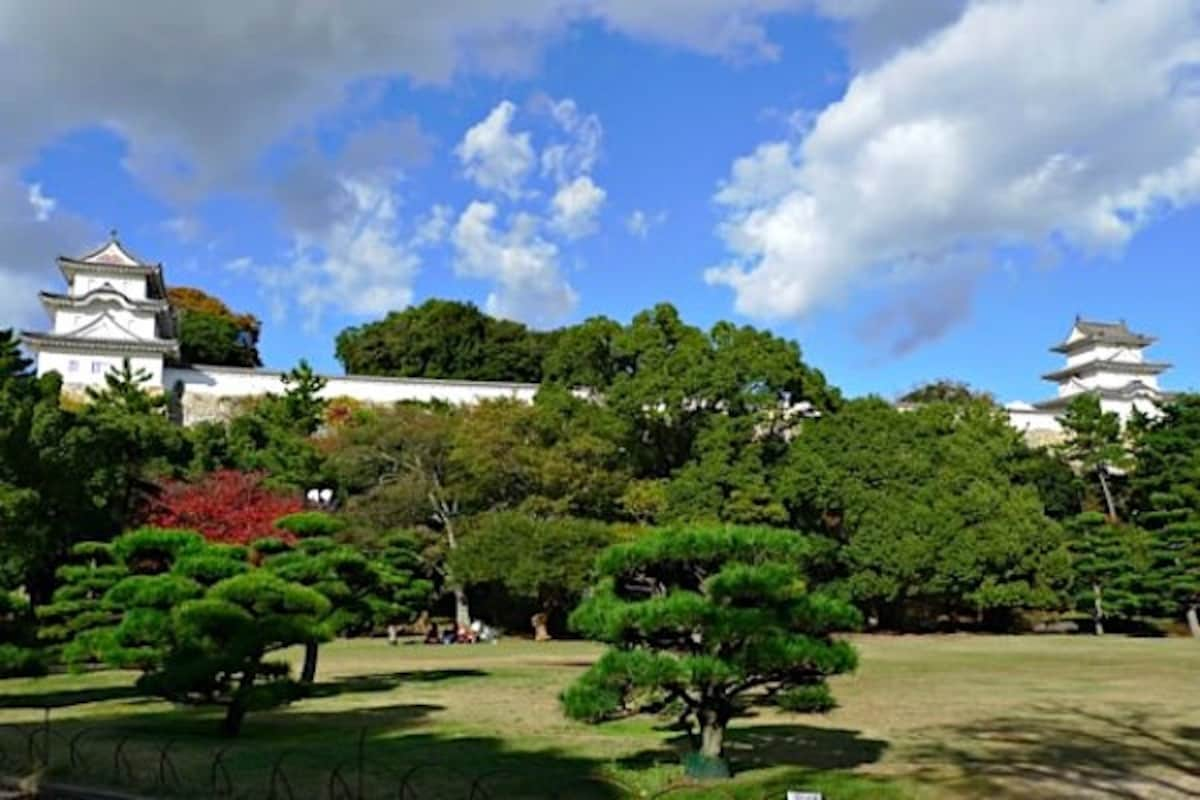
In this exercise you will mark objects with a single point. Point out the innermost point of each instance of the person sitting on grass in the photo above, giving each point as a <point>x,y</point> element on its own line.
<point>431,634</point>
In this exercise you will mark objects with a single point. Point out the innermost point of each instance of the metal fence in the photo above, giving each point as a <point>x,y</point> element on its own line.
<point>80,761</point>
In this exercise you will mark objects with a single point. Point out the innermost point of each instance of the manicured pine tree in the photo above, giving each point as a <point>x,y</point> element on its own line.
<point>74,619</point>
<point>709,621</point>
<point>224,637</point>
<point>363,591</point>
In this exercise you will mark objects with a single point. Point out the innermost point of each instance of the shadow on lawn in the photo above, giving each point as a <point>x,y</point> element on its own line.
<point>309,754</point>
<point>383,682</point>
<point>751,747</point>
<point>1062,752</point>
<point>67,697</point>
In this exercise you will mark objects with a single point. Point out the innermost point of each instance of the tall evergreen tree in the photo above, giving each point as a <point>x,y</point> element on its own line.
<point>1095,444</point>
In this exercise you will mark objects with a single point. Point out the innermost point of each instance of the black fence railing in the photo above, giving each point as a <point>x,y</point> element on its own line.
<point>84,761</point>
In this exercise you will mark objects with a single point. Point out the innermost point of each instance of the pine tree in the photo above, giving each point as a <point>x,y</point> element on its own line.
<point>75,619</point>
<point>1112,565</point>
<point>1094,443</point>
<point>363,591</point>
<point>708,622</point>
<point>224,637</point>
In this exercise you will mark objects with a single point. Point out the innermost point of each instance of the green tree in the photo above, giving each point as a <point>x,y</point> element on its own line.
<point>943,391</point>
<point>399,470</point>
<point>443,339</point>
<point>671,379</point>
<point>210,333</point>
<point>583,355</point>
<point>929,518</point>
<point>224,637</point>
<point>546,561</point>
<point>363,590</point>
<point>19,656</point>
<point>1166,498</point>
<point>273,436</point>
<point>708,622</point>
<point>65,473</point>
<point>76,618</point>
<point>1112,568</point>
<point>1094,443</point>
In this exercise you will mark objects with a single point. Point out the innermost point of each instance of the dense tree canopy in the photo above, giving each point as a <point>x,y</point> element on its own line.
<point>210,333</point>
<point>444,339</point>
<point>930,517</point>
<point>546,561</point>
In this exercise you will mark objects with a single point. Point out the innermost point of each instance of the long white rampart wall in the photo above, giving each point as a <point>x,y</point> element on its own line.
<point>215,393</point>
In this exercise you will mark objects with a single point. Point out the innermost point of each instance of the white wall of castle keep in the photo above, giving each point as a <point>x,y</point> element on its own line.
<point>83,369</point>
<point>132,286</point>
<point>208,393</point>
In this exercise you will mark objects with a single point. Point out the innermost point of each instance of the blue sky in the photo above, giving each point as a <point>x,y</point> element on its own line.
<point>908,192</point>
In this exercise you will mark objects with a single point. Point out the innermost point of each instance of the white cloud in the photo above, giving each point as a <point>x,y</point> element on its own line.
<point>1021,124</point>
<point>576,206</point>
<point>639,223</point>
<point>360,263</point>
<point>433,227</point>
<point>564,160</point>
<point>493,156</point>
<point>523,265</point>
<point>43,206</point>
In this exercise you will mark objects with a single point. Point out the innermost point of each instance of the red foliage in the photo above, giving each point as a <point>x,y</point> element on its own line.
<point>225,506</point>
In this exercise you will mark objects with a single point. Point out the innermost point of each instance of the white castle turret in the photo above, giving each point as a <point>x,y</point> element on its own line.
<point>115,308</point>
<point>1105,359</point>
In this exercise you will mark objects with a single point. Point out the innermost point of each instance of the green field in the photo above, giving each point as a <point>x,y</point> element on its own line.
<point>925,717</point>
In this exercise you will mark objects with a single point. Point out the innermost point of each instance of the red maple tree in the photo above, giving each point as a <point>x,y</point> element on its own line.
<point>225,506</point>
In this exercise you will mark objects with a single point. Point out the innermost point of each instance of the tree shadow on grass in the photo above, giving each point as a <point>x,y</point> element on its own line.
<point>757,746</point>
<point>295,753</point>
<point>1063,752</point>
<point>63,698</point>
<point>382,682</point>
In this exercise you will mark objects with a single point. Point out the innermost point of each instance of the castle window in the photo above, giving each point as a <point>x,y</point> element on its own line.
<point>97,367</point>
<point>72,366</point>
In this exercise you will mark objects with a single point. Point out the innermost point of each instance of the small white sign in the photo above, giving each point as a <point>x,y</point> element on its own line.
<point>805,796</point>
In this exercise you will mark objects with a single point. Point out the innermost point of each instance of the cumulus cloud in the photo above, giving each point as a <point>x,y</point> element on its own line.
<point>360,263</point>
<point>576,205</point>
<point>522,263</point>
<point>493,156</point>
<point>1021,124</point>
<point>576,154</point>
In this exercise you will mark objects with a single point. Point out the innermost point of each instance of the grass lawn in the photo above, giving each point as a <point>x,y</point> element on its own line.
<point>925,717</point>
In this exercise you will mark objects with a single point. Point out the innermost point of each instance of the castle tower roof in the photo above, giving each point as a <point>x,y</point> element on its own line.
<point>1087,333</point>
<point>114,258</point>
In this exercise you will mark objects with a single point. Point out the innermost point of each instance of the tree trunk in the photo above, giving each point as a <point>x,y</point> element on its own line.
<point>239,704</point>
<point>231,726</point>
<point>540,622</point>
<point>462,608</point>
<point>712,734</point>
<point>1098,608</point>
<point>308,673</point>
<point>1108,498</point>
<point>1193,620</point>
